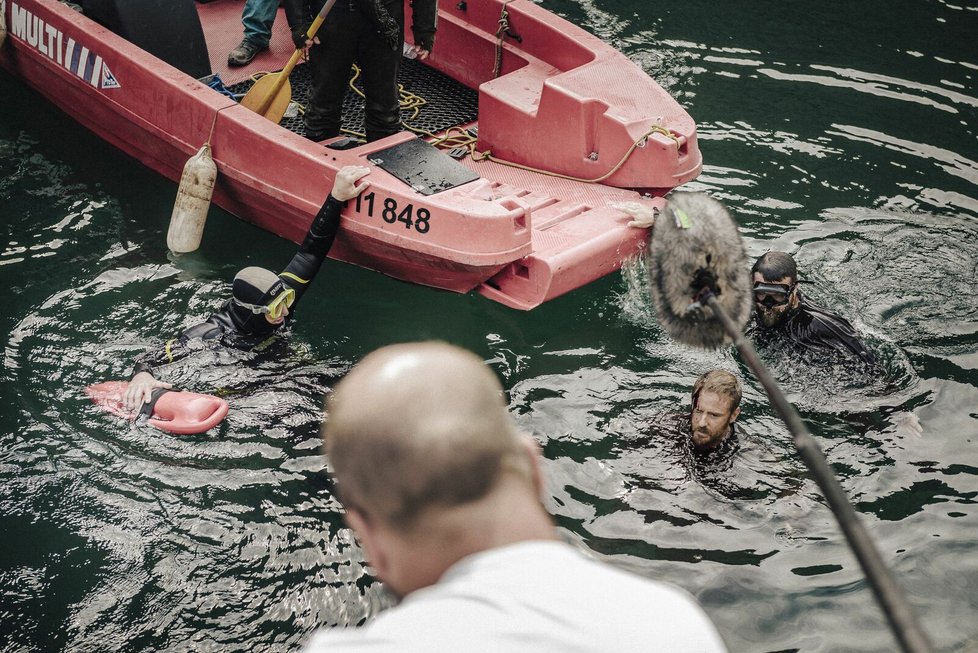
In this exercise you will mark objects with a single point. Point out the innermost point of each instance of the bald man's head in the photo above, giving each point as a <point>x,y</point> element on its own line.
<point>417,426</point>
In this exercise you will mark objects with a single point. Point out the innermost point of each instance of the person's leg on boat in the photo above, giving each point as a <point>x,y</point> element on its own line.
<point>257,17</point>
<point>330,62</point>
<point>379,69</point>
<point>379,55</point>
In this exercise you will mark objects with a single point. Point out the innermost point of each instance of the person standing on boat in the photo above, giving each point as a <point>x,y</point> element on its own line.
<point>443,493</point>
<point>261,302</point>
<point>715,406</point>
<point>257,17</point>
<point>780,310</point>
<point>369,33</point>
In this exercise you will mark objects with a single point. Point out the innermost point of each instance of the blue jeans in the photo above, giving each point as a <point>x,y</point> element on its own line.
<point>257,18</point>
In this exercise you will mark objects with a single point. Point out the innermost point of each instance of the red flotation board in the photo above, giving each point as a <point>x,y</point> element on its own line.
<point>174,411</point>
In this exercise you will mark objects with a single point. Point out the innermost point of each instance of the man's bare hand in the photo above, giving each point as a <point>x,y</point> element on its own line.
<point>345,187</point>
<point>140,390</point>
<point>643,214</point>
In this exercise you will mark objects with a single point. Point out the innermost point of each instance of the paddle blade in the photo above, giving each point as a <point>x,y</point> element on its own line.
<point>269,97</point>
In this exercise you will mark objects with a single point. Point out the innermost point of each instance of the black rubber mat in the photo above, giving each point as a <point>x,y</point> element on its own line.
<point>422,166</point>
<point>448,103</point>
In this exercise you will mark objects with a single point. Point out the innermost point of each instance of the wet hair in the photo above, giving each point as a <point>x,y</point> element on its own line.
<point>721,382</point>
<point>776,265</point>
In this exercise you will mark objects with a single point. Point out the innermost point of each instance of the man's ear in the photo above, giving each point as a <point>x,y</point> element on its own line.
<point>734,415</point>
<point>533,453</point>
<point>370,541</point>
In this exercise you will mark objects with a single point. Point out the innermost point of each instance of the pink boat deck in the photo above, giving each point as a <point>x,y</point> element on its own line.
<point>223,31</point>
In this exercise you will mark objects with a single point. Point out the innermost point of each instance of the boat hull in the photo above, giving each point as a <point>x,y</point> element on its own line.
<point>517,236</point>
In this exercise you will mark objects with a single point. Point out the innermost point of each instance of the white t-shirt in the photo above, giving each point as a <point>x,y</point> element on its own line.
<point>533,596</point>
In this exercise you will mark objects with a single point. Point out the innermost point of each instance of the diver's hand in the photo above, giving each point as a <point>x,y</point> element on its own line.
<point>140,390</point>
<point>345,187</point>
<point>644,215</point>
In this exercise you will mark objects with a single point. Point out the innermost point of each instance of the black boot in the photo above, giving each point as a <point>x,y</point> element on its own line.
<point>244,53</point>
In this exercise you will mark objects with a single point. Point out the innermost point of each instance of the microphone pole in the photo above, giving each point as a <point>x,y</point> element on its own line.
<point>902,621</point>
<point>697,255</point>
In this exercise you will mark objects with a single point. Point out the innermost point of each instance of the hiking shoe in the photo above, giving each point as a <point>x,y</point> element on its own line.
<point>244,53</point>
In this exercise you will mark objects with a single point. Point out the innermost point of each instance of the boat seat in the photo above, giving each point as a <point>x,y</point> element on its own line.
<point>519,90</point>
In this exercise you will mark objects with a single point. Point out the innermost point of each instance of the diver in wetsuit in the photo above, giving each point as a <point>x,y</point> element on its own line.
<point>260,299</point>
<point>780,308</point>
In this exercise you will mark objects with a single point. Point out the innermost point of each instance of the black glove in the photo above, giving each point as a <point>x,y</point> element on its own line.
<point>424,22</point>
<point>299,35</point>
<point>424,39</point>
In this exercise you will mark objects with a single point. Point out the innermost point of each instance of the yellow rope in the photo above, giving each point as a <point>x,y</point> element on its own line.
<point>408,101</point>
<point>482,156</point>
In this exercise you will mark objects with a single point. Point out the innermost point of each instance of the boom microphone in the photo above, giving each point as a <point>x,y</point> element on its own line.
<point>701,290</point>
<point>695,245</point>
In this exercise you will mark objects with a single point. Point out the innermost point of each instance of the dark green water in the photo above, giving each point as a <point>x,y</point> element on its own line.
<point>843,133</point>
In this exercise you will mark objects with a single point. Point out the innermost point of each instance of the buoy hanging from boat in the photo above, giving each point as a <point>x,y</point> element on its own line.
<point>193,201</point>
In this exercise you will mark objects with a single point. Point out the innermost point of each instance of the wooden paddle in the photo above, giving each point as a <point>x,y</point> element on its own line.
<point>270,96</point>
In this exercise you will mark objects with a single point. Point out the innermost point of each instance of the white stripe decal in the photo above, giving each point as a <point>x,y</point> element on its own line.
<point>82,63</point>
<point>96,72</point>
<point>63,50</point>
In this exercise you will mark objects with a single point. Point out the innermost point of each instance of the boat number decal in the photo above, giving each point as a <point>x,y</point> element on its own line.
<point>63,50</point>
<point>391,213</point>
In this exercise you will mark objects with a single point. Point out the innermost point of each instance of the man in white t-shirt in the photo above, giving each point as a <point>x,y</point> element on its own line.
<point>443,492</point>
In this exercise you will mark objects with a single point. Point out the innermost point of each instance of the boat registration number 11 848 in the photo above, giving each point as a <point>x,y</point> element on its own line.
<point>391,213</point>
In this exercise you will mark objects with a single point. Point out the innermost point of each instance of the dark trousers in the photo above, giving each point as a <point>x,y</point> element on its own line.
<point>348,36</point>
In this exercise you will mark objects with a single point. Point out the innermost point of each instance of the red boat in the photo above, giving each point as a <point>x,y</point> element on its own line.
<point>546,96</point>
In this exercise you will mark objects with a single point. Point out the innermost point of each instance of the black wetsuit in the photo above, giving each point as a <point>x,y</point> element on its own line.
<point>238,326</point>
<point>369,33</point>
<point>811,326</point>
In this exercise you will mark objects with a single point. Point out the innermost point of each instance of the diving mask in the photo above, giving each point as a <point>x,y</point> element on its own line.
<point>772,294</point>
<point>274,308</point>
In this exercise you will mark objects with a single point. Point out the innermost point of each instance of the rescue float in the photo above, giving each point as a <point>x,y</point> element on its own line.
<point>524,132</point>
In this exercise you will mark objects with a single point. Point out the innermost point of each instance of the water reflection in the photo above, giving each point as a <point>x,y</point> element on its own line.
<point>234,528</point>
<point>846,138</point>
<point>903,272</point>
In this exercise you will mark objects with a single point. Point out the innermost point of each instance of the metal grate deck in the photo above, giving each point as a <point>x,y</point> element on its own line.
<point>448,103</point>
